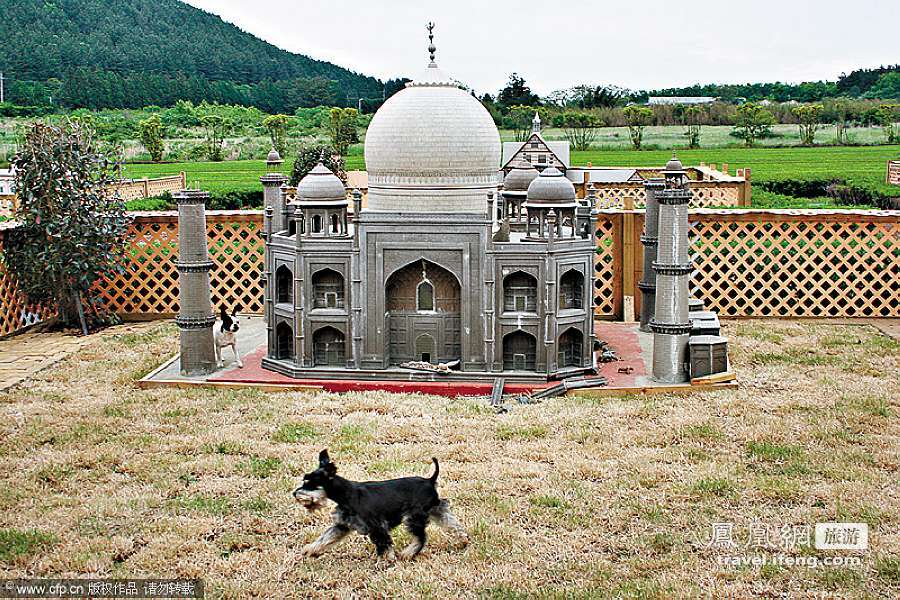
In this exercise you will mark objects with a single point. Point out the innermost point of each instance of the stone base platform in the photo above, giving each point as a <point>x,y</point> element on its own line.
<point>629,375</point>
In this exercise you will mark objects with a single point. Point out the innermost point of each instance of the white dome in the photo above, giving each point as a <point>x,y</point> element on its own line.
<point>432,147</point>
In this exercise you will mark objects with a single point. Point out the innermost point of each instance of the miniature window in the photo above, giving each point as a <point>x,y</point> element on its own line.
<point>284,342</point>
<point>317,224</point>
<point>328,289</point>
<point>571,345</point>
<point>334,224</point>
<point>571,290</point>
<point>284,283</point>
<point>425,296</point>
<point>534,144</point>
<point>527,157</point>
<point>520,293</point>
<point>542,159</point>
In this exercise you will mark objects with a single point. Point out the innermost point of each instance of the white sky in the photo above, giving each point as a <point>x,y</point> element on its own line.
<point>635,44</point>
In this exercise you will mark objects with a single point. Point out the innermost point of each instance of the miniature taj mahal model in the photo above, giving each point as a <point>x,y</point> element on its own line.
<point>430,271</point>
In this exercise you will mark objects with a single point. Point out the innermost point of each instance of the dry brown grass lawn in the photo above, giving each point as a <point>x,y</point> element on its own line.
<point>570,497</point>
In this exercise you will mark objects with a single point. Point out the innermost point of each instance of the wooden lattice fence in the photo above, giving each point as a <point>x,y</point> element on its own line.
<point>777,263</point>
<point>149,285</point>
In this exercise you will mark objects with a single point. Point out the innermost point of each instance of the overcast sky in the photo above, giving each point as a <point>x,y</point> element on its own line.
<point>640,44</point>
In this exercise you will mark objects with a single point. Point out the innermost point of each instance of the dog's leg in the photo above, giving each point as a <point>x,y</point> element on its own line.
<point>237,356</point>
<point>384,545</point>
<point>331,536</point>
<point>219,362</point>
<point>443,518</point>
<point>416,526</point>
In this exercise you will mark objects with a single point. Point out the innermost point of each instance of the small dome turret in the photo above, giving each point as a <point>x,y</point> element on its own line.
<point>520,177</point>
<point>321,185</point>
<point>551,189</point>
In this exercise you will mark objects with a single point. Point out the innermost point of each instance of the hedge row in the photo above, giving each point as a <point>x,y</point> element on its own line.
<point>231,200</point>
<point>838,189</point>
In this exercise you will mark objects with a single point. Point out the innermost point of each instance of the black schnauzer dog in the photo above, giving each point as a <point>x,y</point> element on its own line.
<point>374,508</point>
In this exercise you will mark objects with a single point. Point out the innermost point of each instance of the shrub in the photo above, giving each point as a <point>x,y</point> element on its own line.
<point>752,122</point>
<point>73,229</point>
<point>276,126</point>
<point>151,135</point>
<point>636,118</point>
<point>309,156</point>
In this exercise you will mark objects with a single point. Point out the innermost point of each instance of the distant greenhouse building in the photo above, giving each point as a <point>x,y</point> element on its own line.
<point>663,100</point>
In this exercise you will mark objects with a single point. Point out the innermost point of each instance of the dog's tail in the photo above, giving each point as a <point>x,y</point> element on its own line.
<point>437,469</point>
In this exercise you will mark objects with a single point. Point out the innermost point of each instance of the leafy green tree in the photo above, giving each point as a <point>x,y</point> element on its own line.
<point>886,88</point>
<point>887,116</point>
<point>692,117</point>
<point>517,93</point>
<point>637,118</point>
<point>752,122</point>
<point>343,128</point>
<point>73,227</point>
<point>840,110</point>
<point>309,156</point>
<point>809,117</point>
<point>150,132</point>
<point>215,128</point>
<point>277,125</point>
<point>579,127</point>
<point>519,119</point>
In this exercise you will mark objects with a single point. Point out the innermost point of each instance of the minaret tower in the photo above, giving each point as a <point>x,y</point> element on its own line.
<point>650,240</point>
<point>195,318</point>
<point>536,123</point>
<point>670,325</point>
<point>272,196</point>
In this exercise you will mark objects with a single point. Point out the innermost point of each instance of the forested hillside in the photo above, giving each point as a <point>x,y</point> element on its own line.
<point>133,53</point>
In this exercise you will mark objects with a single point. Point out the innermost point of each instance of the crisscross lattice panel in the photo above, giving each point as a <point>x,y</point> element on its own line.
<point>798,263</point>
<point>149,284</point>
<point>705,194</point>
<point>15,312</point>
<point>608,265</point>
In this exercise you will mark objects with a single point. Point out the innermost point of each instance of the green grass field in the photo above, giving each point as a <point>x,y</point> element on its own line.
<point>862,165</point>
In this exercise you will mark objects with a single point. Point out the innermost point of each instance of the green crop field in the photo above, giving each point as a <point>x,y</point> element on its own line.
<point>861,165</point>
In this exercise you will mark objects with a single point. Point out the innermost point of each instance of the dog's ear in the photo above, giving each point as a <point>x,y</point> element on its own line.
<point>330,469</point>
<point>226,320</point>
<point>324,459</point>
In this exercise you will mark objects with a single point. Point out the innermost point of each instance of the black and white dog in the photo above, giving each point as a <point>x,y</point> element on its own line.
<point>227,336</point>
<point>374,508</point>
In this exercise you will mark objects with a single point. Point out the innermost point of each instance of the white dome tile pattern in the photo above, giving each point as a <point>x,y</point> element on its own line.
<point>432,147</point>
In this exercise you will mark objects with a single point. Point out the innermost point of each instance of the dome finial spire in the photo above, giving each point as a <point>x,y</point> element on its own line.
<point>431,48</point>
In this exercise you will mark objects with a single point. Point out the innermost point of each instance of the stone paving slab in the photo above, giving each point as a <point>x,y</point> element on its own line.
<point>24,355</point>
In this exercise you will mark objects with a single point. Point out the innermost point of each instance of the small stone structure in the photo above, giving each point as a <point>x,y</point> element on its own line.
<point>670,325</point>
<point>195,318</point>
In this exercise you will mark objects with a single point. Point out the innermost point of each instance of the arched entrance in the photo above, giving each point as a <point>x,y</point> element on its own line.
<point>284,341</point>
<point>519,351</point>
<point>570,350</point>
<point>329,348</point>
<point>422,301</point>
<point>284,285</point>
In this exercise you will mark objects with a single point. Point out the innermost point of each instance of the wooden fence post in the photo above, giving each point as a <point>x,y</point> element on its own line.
<point>747,189</point>
<point>183,180</point>
<point>145,187</point>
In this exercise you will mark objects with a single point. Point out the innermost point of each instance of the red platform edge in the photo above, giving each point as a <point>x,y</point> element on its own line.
<point>622,337</point>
